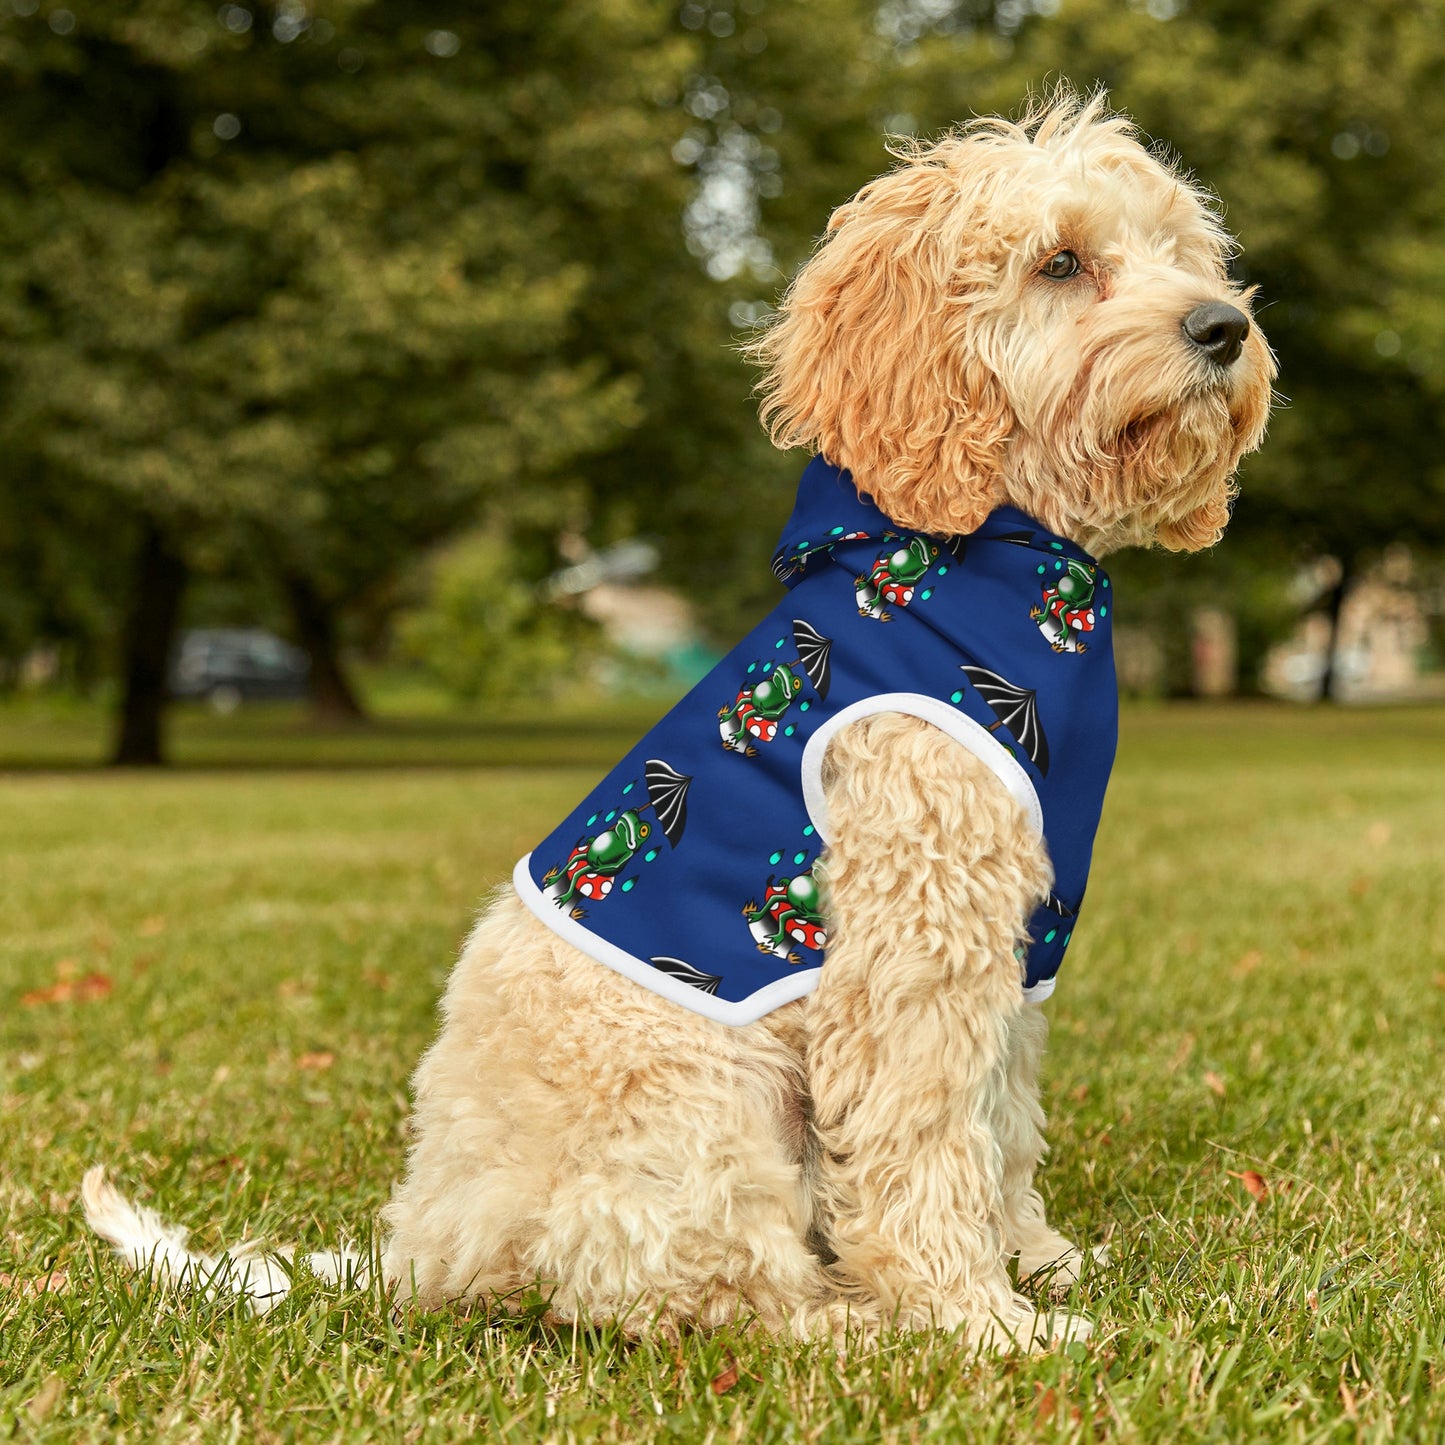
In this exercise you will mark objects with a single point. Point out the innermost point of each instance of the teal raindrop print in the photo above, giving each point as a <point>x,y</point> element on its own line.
<point>1106,581</point>
<point>1067,937</point>
<point>592,820</point>
<point>943,571</point>
<point>955,697</point>
<point>789,730</point>
<point>752,667</point>
<point>1041,569</point>
<point>775,858</point>
<point>1058,566</point>
<point>804,706</point>
<point>1052,934</point>
<point>808,831</point>
<point>836,532</point>
<point>648,856</point>
<point>628,789</point>
<point>629,885</point>
<point>1103,612</point>
<point>926,593</point>
<point>798,858</point>
<point>1057,546</point>
<point>610,816</point>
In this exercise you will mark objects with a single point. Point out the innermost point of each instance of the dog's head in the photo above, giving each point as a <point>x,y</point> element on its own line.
<point>1035,313</point>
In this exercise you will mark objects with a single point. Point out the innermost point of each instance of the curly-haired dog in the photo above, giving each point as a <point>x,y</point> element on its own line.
<point>1026,321</point>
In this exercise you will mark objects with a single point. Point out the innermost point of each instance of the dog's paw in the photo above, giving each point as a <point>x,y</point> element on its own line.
<point>1060,1327</point>
<point>1025,1327</point>
<point>1058,1267</point>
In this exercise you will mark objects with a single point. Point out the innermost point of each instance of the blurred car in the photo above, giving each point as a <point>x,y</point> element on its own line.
<point>230,665</point>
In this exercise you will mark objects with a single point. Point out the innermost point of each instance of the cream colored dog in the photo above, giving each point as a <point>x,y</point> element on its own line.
<point>1036,314</point>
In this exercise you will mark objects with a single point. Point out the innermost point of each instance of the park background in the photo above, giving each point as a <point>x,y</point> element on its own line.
<point>408,333</point>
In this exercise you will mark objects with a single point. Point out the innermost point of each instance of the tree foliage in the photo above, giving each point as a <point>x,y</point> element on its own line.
<point>310,288</point>
<point>302,289</point>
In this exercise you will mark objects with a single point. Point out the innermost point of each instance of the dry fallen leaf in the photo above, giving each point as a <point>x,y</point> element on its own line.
<point>1181,1054</point>
<point>1360,886</point>
<point>1440,980</point>
<point>1248,963</point>
<point>377,978</point>
<point>1254,1182</point>
<point>151,927</point>
<point>727,1379</point>
<point>320,1059</point>
<point>56,1282</point>
<point>45,1399</point>
<point>1047,1407</point>
<point>1214,1083</point>
<point>1080,1094</point>
<point>81,990</point>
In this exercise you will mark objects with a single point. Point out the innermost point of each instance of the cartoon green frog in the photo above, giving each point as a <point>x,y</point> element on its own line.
<point>791,912</point>
<point>893,578</point>
<point>753,715</point>
<point>593,864</point>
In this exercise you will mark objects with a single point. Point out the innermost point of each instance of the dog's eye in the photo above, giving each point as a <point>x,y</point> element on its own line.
<point>1060,266</point>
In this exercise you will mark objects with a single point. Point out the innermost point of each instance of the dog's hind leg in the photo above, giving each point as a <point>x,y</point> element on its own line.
<point>578,1135</point>
<point>931,868</point>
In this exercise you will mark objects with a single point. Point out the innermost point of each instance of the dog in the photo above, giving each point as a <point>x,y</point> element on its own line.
<point>1030,320</point>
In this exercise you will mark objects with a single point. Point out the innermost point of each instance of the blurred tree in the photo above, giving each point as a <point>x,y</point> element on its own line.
<point>780,117</point>
<point>484,632</point>
<point>315,286</point>
<point>299,283</point>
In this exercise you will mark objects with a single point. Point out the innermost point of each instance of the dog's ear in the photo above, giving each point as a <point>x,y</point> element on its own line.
<point>874,358</point>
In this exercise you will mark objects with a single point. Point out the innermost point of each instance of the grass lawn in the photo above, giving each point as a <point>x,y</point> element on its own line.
<point>216,980</point>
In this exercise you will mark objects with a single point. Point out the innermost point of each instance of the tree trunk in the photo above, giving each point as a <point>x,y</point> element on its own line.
<point>150,629</point>
<point>333,699</point>
<point>1329,679</point>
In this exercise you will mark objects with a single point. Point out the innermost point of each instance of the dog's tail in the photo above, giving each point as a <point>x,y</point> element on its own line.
<point>147,1243</point>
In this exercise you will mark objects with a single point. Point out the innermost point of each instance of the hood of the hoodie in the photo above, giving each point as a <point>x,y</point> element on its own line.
<point>830,515</point>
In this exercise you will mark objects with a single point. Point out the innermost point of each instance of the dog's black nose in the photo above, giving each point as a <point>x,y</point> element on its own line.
<point>1218,331</point>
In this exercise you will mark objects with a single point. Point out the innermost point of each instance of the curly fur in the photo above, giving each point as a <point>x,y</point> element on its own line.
<point>864,1157</point>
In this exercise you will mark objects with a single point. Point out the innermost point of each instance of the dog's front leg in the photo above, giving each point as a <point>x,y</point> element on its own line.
<point>932,869</point>
<point>1042,1251</point>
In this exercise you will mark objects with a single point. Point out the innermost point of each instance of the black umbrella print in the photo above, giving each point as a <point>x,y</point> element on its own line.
<point>667,792</point>
<point>1016,709</point>
<point>1055,904</point>
<point>813,649</point>
<point>685,973</point>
